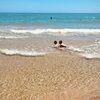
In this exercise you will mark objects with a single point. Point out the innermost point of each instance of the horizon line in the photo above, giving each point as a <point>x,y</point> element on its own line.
<point>49,12</point>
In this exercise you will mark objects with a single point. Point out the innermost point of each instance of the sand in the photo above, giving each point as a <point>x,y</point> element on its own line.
<point>56,76</point>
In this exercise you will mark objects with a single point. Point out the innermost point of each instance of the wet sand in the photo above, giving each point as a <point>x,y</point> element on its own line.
<point>56,76</point>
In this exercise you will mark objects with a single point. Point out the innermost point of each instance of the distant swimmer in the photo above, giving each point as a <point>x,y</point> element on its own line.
<point>51,18</point>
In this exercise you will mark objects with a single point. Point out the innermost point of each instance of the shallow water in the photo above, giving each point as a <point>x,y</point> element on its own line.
<point>34,33</point>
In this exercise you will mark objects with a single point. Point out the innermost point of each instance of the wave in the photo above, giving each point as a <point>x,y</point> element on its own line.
<point>75,49</point>
<point>58,31</point>
<point>90,51</point>
<point>90,56</point>
<point>11,37</point>
<point>21,52</point>
<point>35,53</point>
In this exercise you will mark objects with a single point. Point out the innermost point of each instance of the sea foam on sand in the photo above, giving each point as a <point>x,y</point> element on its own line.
<point>21,52</point>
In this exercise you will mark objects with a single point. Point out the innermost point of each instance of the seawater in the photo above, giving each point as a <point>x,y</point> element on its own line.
<point>33,33</point>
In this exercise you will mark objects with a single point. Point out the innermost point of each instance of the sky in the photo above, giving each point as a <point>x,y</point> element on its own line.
<point>50,6</point>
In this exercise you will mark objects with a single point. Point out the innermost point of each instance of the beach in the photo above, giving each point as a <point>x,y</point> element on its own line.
<point>32,69</point>
<point>63,75</point>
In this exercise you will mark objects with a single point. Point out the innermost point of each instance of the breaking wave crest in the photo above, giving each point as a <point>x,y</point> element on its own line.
<point>21,52</point>
<point>12,37</point>
<point>58,31</point>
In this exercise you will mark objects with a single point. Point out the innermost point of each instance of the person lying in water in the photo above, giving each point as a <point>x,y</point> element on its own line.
<point>56,45</point>
<point>60,45</point>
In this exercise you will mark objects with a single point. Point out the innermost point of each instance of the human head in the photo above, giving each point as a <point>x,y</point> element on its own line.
<point>55,42</point>
<point>60,42</point>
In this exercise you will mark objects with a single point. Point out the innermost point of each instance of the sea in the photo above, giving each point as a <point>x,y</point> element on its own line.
<point>33,34</point>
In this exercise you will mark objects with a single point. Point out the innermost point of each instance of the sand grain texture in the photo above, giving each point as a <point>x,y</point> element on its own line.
<point>56,76</point>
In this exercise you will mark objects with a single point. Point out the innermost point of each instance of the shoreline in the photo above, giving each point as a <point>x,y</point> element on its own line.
<point>55,76</point>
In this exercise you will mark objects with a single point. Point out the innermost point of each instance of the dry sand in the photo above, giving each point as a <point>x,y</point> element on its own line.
<point>56,76</point>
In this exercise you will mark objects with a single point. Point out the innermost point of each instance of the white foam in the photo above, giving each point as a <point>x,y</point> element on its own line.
<point>21,52</point>
<point>75,49</point>
<point>84,53</point>
<point>11,37</point>
<point>36,31</point>
<point>90,56</point>
<point>58,31</point>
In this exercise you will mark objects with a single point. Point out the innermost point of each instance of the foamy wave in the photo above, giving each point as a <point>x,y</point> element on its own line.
<point>87,52</point>
<point>11,37</point>
<point>58,31</point>
<point>21,52</point>
<point>75,49</point>
<point>37,31</point>
<point>90,56</point>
